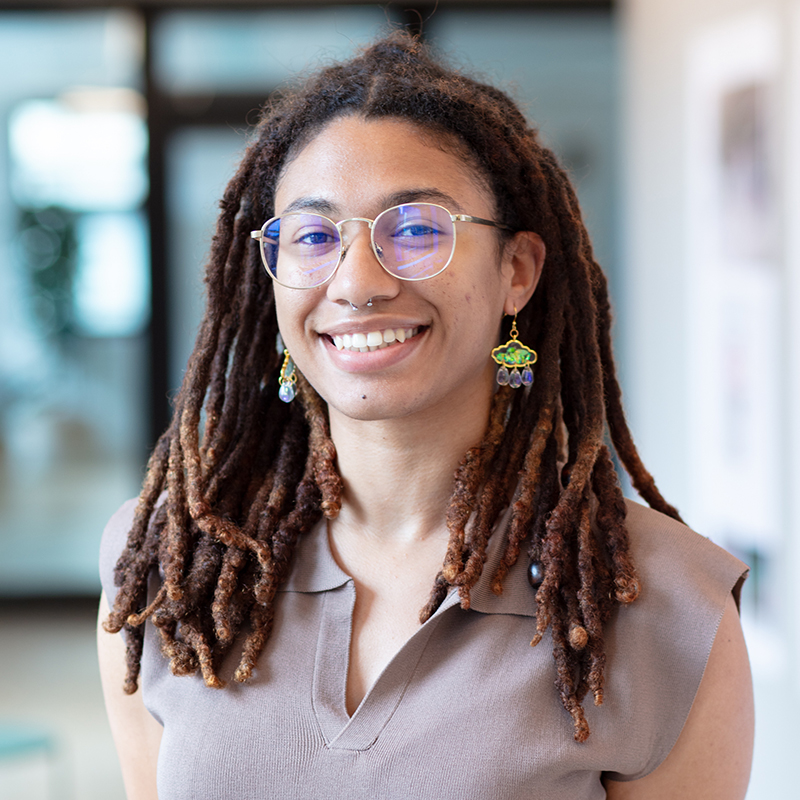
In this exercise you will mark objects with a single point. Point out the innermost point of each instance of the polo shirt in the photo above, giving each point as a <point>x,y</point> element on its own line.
<point>465,709</point>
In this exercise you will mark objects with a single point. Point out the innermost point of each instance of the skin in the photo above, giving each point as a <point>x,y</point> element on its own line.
<point>409,412</point>
<point>136,733</point>
<point>402,418</point>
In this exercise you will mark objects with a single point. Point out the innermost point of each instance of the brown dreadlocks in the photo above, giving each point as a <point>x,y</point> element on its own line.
<point>244,476</point>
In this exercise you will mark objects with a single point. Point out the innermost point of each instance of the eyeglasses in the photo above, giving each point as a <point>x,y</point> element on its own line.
<point>413,242</point>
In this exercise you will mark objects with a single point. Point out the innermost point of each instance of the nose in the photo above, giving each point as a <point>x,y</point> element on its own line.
<point>360,275</point>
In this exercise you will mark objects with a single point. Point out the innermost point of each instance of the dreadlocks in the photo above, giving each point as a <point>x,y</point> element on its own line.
<point>239,476</point>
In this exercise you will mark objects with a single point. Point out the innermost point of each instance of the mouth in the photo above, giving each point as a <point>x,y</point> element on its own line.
<point>374,340</point>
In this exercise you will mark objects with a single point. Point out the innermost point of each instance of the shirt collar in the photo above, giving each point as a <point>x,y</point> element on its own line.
<point>315,570</point>
<point>518,597</point>
<point>313,566</point>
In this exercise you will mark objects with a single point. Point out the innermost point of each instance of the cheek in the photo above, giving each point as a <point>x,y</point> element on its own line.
<point>291,311</point>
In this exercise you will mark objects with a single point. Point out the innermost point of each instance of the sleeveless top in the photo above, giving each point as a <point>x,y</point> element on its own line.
<point>466,709</point>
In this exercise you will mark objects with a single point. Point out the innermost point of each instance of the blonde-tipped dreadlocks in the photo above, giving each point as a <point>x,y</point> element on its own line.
<point>263,473</point>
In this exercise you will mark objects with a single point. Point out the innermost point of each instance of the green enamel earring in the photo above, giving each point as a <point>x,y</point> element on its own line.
<point>515,360</point>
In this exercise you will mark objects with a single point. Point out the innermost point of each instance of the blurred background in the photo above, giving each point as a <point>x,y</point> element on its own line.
<point>119,127</point>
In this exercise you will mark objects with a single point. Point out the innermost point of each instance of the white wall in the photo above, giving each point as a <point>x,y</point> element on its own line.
<point>673,290</point>
<point>672,231</point>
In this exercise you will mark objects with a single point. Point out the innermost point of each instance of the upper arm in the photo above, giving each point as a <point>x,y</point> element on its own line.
<point>137,735</point>
<point>711,759</point>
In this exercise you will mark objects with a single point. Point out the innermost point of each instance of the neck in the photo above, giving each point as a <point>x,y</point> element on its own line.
<point>398,473</point>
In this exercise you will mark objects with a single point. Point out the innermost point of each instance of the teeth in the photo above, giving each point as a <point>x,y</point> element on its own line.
<point>374,340</point>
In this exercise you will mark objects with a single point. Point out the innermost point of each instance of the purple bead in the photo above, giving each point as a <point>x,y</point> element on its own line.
<point>515,379</point>
<point>527,376</point>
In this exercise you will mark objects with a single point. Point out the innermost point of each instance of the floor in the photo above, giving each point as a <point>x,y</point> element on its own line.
<point>49,679</point>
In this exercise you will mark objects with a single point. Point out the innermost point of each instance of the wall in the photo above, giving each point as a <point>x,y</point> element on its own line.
<point>720,428</point>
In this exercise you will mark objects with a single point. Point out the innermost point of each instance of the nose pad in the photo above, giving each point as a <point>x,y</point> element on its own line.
<point>347,245</point>
<point>365,277</point>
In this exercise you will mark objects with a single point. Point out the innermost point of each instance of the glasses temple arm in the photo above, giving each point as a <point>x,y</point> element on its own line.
<point>480,221</point>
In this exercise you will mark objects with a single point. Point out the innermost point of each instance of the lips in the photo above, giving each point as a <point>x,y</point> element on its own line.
<point>373,340</point>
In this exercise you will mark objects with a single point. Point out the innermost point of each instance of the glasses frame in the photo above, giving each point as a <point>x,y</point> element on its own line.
<point>260,236</point>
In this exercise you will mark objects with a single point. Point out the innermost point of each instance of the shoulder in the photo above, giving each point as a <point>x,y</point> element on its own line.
<point>659,646</point>
<point>712,756</point>
<point>112,543</point>
<point>673,559</point>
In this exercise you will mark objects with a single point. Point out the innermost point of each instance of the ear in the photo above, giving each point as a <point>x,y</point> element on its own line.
<point>523,260</point>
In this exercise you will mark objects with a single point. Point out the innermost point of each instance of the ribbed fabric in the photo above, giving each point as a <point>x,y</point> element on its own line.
<point>466,709</point>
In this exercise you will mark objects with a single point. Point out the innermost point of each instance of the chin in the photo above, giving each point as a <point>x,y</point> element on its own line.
<point>368,404</point>
<point>368,410</point>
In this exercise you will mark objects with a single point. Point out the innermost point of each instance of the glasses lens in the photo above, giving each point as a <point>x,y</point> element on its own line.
<point>415,241</point>
<point>301,250</point>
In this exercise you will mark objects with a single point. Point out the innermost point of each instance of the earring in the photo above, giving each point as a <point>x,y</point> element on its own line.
<point>288,379</point>
<point>514,355</point>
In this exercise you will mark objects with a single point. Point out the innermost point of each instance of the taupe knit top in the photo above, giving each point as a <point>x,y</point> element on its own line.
<point>466,709</point>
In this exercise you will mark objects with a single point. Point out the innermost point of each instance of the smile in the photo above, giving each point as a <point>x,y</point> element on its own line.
<point>374,340</point>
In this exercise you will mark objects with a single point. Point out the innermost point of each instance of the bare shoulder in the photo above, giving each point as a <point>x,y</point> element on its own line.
<point>711,759</point>
<point>137,735</point>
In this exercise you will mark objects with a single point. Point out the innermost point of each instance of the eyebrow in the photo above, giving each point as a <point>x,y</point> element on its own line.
<point>423,194</point>
<point>310,204</point>
<point>427,194</point>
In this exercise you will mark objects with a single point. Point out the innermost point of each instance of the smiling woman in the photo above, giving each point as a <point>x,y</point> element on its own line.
<point>352,169</point>
<point>353,561</point>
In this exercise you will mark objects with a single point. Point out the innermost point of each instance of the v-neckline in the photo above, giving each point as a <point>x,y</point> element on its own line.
<point>319,572</point>
<point>331,664</point>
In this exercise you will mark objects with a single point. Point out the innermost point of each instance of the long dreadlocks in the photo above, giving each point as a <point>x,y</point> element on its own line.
<point>244,476</point>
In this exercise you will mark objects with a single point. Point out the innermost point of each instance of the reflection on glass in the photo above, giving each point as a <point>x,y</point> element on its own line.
<point>74,292</point>
<point>112,288</point>
<point>80,158</point>
<point>217,51</point>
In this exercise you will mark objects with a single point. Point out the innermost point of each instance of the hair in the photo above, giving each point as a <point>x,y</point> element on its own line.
<point>239,476</point>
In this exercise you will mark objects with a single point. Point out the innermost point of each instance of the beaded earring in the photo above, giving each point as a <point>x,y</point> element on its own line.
<point>288,379</point>
<point>514,356</point>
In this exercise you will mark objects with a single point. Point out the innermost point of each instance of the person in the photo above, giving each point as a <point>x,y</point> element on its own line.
<point>389,473</point>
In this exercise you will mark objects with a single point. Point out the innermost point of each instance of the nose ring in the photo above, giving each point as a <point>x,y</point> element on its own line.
<point>355,307</point>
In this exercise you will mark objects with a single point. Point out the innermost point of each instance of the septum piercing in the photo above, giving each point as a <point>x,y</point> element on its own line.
<point>355,307</point>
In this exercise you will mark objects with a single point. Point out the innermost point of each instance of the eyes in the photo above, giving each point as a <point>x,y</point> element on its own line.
<point>413,242</point>
<point>413,230</point>
<point>318,236</point>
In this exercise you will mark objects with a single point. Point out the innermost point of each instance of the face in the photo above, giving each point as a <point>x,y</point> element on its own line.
<point>443,328</point>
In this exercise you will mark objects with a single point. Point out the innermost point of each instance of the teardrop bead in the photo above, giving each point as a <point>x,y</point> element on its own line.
<point>502,376</point>
<point>527,376</point>
<point>287,392</point>
<point>515,379</point>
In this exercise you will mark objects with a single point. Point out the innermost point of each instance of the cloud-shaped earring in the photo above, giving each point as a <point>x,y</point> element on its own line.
<point>512,357</point>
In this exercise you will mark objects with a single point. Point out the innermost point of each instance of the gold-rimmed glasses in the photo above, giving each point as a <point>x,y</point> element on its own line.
<point>412,242</point>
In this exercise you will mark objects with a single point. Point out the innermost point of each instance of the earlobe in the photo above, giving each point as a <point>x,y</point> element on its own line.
<point>525,257</point>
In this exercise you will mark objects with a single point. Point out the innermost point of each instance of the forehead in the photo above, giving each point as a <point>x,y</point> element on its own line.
<point>354,163</point>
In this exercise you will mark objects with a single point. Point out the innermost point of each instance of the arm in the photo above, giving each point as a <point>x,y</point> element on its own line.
<point>711,759</point>
<point>136,733</point>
